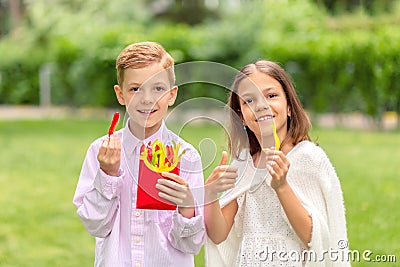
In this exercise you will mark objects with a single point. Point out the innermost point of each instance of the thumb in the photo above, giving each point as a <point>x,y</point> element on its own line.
<point>224,159</point>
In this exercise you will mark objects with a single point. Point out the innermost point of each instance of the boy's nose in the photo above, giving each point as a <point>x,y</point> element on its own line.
<point>147,98</point>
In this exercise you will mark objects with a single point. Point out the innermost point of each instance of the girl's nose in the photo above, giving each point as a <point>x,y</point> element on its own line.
<point>262,104</point>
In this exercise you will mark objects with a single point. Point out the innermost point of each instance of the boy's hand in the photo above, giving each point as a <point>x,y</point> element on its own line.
<point>221,179</point>
<point>109,155</point>
<point>175,189</point>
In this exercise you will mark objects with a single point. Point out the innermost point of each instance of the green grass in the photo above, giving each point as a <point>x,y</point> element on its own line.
<point>40,163</point>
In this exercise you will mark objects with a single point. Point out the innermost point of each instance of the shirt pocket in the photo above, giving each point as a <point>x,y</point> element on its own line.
<point>160,217</point>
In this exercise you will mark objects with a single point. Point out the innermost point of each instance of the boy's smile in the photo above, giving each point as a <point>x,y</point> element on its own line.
<point>147,94</point>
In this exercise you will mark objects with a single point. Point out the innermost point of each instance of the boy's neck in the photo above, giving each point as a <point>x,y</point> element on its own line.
<point>143,133</point>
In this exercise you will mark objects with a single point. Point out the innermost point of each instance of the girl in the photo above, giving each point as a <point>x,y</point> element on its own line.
<point>286,206</point>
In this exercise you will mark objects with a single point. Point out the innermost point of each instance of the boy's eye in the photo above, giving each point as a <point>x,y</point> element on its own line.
<point>134,89</point>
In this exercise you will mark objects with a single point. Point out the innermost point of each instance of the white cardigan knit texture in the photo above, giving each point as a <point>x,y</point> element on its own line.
<point>315,183</point>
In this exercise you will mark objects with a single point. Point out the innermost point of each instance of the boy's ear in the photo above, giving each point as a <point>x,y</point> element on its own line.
<point>173,93</point>
<point>118,93</point>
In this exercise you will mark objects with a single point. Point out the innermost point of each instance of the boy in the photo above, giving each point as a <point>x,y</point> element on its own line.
<point>106,193</point>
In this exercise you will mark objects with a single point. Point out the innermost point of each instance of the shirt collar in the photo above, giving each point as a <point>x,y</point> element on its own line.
<point>130,142</point>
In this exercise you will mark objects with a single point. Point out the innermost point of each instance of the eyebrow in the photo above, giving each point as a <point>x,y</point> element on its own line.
<point>140,84</point>
<point>134,84</point>
<point>269,88</point>
<point>263,90</point>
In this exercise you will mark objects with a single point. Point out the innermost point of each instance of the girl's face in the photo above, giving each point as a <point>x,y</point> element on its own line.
<point>263,103</point>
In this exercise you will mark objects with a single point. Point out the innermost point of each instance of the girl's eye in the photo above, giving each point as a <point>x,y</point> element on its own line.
<point>271,95</point>
<point>248,101</point>
<point>159,89</point>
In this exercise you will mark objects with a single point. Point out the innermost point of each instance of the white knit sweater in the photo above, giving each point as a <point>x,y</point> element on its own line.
<point>261,224</point>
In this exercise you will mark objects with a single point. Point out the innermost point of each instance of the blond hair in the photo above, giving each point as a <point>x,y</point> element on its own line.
<point>141,55</point>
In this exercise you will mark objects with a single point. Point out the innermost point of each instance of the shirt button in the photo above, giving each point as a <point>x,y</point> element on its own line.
<point>137,239</point>
<point>137,213</point>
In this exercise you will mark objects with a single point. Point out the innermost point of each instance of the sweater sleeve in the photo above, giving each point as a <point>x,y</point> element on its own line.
<point>328,220</point>
<point>335,213</point>
<point>316,184</point>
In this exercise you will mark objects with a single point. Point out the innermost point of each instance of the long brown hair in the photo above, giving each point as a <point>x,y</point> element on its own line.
<point>298,124</point>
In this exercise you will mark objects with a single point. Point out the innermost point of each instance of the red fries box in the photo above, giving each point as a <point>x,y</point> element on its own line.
<point>154,159</point>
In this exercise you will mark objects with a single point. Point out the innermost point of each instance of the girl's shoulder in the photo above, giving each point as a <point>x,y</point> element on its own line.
<point>307,152</point>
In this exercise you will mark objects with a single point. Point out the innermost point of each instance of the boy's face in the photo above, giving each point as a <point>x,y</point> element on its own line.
<point>147,94</point>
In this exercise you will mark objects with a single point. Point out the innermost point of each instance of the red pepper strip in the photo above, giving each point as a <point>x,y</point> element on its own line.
<point>114,124</point>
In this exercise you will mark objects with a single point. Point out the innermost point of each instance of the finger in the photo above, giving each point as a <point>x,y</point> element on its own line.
<point>172,193</point>
<point>226,168</point>
<point>172,184</point>
<point>282,162</point>
<point>229,175</point>
<point>273,173</point>
<point>227,186</point>
<point>103,147</point>
<point>115,146</point>
<point>175,178</point>
<point>171,199</point>
<point>224,159</point>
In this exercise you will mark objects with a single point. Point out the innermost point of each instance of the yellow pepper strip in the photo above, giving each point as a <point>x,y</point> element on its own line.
<point>157,162</point>
<point>277,141</point>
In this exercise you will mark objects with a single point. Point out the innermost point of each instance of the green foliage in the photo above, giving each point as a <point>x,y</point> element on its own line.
<point>338,64</point>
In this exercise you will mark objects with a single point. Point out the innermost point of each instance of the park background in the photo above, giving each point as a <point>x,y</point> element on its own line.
<point>57,59</point>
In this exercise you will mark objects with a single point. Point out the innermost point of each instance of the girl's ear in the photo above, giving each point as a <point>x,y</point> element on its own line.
<point>289,113</point>
<point>119,94</point>
<point>172,95</point>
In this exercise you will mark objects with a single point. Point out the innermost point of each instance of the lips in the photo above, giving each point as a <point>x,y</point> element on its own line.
<point>147,111</point>
<point>264,118</point>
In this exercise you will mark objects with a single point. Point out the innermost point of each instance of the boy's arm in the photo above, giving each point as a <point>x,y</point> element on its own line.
<point>97,196</point>
<point>188,234</point>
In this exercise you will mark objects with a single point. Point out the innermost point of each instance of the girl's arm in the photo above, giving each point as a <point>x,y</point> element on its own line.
<point>297,215</point>
<point>219,221</point>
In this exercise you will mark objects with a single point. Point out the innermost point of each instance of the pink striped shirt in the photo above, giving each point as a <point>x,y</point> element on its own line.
<point>126,236</point>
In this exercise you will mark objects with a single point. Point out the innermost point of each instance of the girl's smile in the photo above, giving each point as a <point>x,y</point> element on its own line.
<point>263,103</point>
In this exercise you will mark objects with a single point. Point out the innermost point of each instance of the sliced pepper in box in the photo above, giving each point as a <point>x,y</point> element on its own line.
<point>156,158</point>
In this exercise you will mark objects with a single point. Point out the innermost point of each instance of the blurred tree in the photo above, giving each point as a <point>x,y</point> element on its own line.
<point>371,6</point>
<point>11,12</point>
<point>3,18</point>
<point>191,12</point>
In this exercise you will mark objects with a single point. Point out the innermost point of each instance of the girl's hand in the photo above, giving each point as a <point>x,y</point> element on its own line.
<point>175,189</point>
<point>279,167</point>
<point>221,179</point>
<point>109,155</point>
